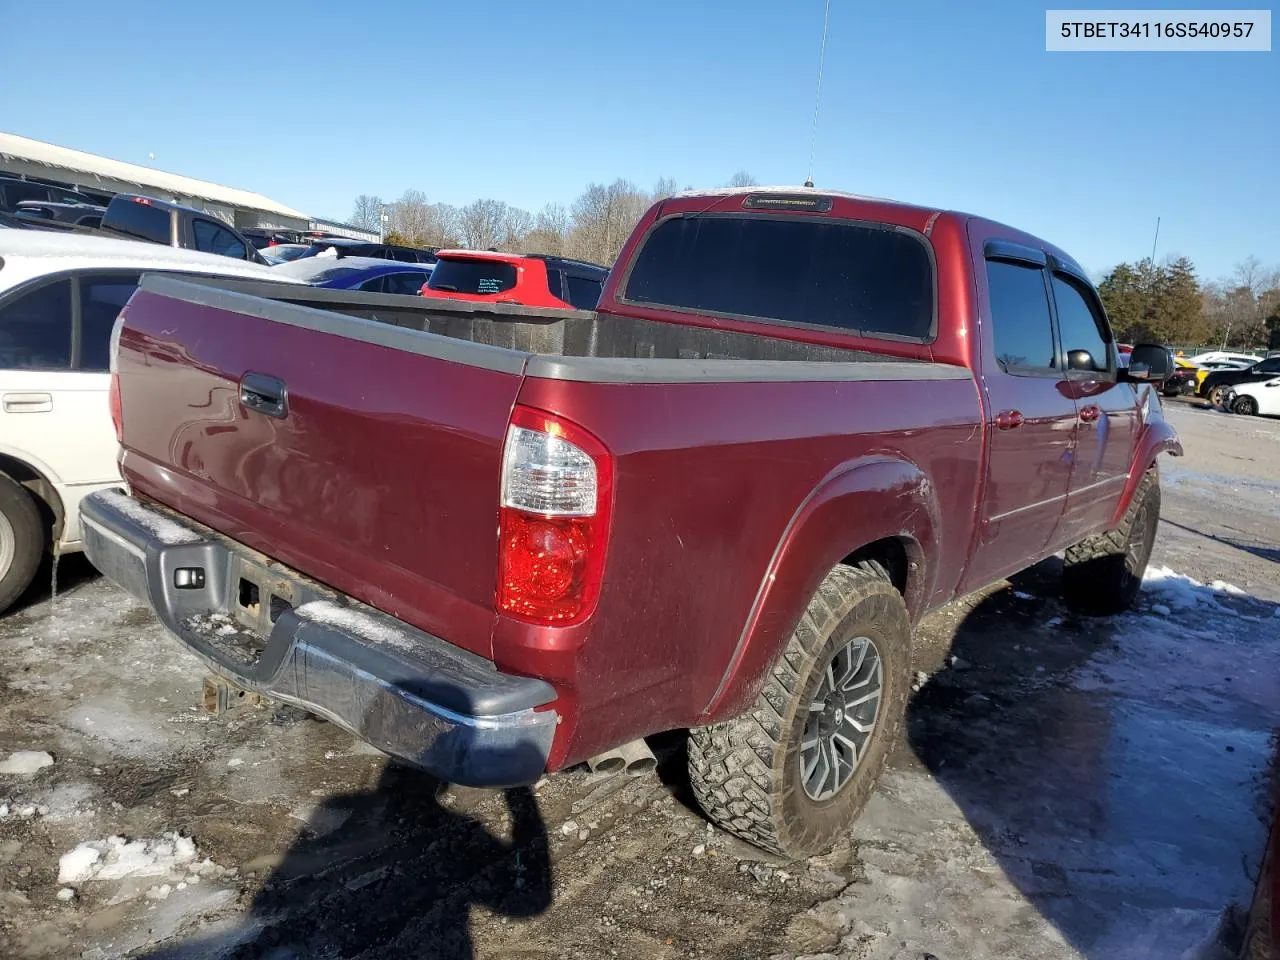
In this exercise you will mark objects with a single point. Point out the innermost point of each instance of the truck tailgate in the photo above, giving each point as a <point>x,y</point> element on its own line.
<point>378,472</point>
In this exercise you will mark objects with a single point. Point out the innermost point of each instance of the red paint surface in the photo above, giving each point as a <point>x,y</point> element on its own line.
<point>531,289</point>
<point>730,501</point>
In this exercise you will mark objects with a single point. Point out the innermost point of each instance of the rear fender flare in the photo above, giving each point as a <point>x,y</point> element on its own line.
<point>1158,436</point>
<point>863,501</point>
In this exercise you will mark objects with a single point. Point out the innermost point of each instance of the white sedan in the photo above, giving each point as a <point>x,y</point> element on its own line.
<point>59,297</point>
<point>1251,399</point>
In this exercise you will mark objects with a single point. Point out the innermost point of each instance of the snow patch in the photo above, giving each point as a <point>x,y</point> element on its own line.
<point>1176,591</point>
<point>161,527</point>
<point>353,621</point>
<point>116,858</point>
<point>26,762</point>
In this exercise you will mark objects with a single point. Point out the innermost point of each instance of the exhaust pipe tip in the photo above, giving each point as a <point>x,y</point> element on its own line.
<point>607,763</point>
<point>639,758</point>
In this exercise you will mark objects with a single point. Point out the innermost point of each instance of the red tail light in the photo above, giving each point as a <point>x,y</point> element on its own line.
<point>557,491</point>
<point>116,420</point>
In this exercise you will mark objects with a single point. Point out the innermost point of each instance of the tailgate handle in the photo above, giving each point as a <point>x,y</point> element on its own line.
<point>264,394</point>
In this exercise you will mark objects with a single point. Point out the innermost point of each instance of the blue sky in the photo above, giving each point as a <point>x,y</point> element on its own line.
<point>954,104</point>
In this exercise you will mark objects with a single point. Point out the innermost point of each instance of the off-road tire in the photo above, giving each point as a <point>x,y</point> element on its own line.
<point>1245,406</point>
<point>1103,573</point>
<point>22,541</point>
<point>746,772</point>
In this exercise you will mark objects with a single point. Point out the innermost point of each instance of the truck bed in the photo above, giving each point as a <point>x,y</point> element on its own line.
<point>382,483</point>
<point>547,332</point>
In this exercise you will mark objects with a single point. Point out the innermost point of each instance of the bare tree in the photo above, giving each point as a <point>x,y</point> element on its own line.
<point>550,231</point>
<point>516,226</point>
<point>367,212</point>
<point>665,187</point>
<point>743,179</point>
<point>603,218</point>
<point>482,224</point>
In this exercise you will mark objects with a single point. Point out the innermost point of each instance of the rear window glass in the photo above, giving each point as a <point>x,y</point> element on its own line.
<point>852,277</point>
<point>473,276</point>
<point>138,220</point>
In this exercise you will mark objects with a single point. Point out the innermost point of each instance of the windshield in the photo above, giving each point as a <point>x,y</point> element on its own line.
<point>473,276</point>
<point>284,252</point>
<point>315,269</point>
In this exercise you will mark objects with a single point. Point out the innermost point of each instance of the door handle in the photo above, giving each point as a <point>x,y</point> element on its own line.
<point>1008,419</point>
<point>28,402</point>
<point>1090,413</point>
<point>264,394</point>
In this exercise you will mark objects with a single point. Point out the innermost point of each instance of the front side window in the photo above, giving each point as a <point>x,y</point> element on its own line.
<point>1270,365</point>
<point>102,297</point>
<point>857,278</point>
<point>1021,328</point>
<point>35,329</point>
<point>1081,327</point>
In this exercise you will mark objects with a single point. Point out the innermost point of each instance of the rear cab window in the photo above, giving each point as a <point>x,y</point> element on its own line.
<point>473,276</point>
<point>139,220</point>
<point>860,278</point>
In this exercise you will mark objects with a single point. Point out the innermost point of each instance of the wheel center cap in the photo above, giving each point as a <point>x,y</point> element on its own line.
<point>838,716</point>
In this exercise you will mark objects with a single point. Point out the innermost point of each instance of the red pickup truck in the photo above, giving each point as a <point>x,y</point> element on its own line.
<point>498,540</point>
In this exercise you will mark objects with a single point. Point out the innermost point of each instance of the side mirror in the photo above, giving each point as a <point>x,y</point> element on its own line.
<point>1150,363</point>
<point>1081,360</point>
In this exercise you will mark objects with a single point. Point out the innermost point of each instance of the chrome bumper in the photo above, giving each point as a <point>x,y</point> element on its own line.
<point>404,691</point>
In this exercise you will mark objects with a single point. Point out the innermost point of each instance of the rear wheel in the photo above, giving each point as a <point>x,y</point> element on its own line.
<point>793,773</point>
<point>22,541</point>
<point>1217,395</point>
<point>1103,573</point>
<point>1245,406</point>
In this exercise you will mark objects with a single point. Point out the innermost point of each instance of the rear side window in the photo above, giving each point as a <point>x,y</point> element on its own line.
<point>851,277</point>
<point>408,283</point>
<point>138,220</point>
<point>1021,328</point>
<point>554,283</point>
<point>212,238</point>
<point>102,296</point>
<point>473,276</point>
<point>35,329</point>
<point>584,294</point>
<point>1081,327</point>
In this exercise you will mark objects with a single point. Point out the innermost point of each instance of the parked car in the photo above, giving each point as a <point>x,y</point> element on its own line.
<point>359,273</point>
<point>1251,399</point>
<point>1182,381</point>
<point>1216,356</point>
<point>59,296</point>
<point>341,247</point>
<point>534,280</point>
<point>52,214</point>
<point>1215,385</point>
<point>14,191</point>
<point>531,537</point>
<point>173,225</point>
<point>277,253</point>
<point>1211,366</point>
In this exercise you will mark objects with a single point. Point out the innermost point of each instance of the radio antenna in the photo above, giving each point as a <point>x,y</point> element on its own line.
<point>817,97</point>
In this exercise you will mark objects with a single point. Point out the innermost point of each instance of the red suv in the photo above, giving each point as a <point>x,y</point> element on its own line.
<point>534,280</point>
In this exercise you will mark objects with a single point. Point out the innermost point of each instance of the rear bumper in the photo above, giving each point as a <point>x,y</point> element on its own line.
<point>272,631</point>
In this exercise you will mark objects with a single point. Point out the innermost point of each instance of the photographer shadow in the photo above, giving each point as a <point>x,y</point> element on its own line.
<point>394,870</point>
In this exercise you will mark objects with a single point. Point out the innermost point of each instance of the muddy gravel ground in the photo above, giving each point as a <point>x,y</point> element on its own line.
<point>1067,787</point>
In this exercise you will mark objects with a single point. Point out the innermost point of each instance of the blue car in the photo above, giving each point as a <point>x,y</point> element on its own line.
<point>358,273</point>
